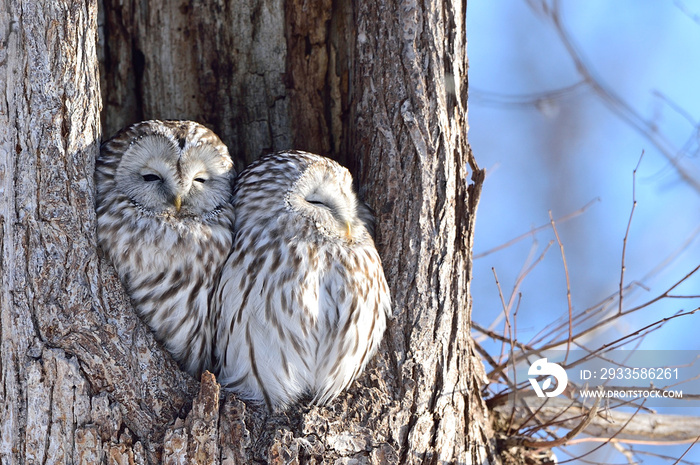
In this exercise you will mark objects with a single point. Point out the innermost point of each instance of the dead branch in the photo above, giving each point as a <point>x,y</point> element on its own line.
<point>627,232</point>
<point>642,428</point>
<point>568,286</point>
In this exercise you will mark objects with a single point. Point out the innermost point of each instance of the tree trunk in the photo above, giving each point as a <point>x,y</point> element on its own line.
<point>380,86</point>
<point>81,376</point>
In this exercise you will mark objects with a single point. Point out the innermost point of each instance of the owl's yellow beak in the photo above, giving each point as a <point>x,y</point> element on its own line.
<point>348,230</point>
<point>177,202</point>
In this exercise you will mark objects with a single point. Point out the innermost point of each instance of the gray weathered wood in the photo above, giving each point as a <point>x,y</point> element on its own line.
<point>81,376</point>
<point>219,63</point>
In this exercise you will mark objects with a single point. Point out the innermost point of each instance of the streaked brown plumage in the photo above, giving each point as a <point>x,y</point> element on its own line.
<point>165,221</point>
<point>302,302</point>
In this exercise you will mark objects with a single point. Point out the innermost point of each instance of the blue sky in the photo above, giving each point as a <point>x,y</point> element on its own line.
<point>545,152</point>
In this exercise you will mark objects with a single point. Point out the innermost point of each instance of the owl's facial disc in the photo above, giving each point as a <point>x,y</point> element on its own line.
<point>326,197</point>
<point>205,180</point>
<point>160,177</point>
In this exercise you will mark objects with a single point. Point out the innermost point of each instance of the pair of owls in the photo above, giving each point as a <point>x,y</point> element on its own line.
<point>275,285</point>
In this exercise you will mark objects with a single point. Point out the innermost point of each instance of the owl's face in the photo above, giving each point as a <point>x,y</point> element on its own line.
<point>324,194</point>
<point>174,171</point>
<point>294,188</point>
<point>161,177</point>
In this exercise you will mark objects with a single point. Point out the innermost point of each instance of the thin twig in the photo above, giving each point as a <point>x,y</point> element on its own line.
<point>524,271</point>
<point>524,355</point>
<point>627,232</point>
<point>568,286</point>
<point>571,434</point>
<point>610,438</point>
<point>512,357</point>
<point>686,11</point>
<point>661,322</point>
<point>624,313</point>
<point>673,255</point>
<point>687,450</point>
<point>662,456</point>
<point>627,453</point>
<point>534,231</point>
<point>506,326</point>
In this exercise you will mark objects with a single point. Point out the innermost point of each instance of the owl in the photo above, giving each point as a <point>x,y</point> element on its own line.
<point>303,302</point>
<point>164,220</point>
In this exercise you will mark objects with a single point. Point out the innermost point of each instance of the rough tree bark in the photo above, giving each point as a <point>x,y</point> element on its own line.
<point>380,86</point>
<point>69,350</point>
